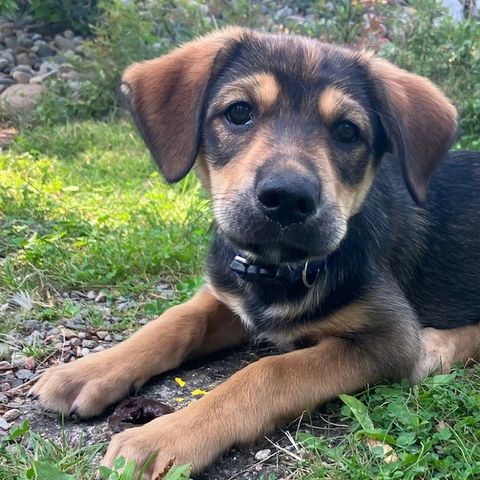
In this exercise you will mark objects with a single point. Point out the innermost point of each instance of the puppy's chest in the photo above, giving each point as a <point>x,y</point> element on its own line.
<point>286,324</point>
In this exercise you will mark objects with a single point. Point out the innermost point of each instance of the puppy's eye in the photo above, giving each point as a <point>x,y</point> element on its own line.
<point>239,113</point>
<point>345,132</point>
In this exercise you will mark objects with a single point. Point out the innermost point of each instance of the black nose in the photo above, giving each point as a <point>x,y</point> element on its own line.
<point>287,197</point>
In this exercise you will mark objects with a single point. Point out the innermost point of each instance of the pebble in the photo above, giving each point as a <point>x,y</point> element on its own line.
<point>67,333</point>
<point>30,363</point>
<point>263,455</point>
<point>91,295</point>
<point>108,338</point>
<point>18,359</point>
<point>89,344</point>
<point>24,374</point>
<point>84,352</point>
<point>32,325</point>
<point>117,337</point>
<point>11,415</point>
<point>4,424</point>
<point>100,348</point>
<point>101,297</point>
<point>21,77</point>
<point>82,335</point>
<point>5,387</point>
<point>101,334</point>
<point>74,342</point>
<point>3,398</point>
<point>4,365</point>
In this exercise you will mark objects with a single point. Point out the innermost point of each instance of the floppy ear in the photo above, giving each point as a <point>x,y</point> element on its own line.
<point>166,97</point>
<point>419,121</point>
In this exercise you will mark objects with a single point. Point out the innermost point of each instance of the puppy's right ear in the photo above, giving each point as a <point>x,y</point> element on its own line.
<point>166,97</point>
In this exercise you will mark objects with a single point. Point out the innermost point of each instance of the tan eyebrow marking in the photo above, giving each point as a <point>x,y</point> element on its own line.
<point>261,88</point>
<point>333,104</point>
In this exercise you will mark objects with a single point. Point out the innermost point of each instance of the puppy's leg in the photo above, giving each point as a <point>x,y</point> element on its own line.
<point>264,394</point>
<point>86,386</point>
<point>443,348</point>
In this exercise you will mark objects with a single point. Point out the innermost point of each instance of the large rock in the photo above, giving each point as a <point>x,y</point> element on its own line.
<point>20,100</point>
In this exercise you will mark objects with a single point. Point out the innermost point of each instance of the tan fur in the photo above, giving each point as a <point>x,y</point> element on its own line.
<point>334,104</point>
<point>443,348</point>
<point>421,108</point>
<point>248,404</point>
<point>261,89</point>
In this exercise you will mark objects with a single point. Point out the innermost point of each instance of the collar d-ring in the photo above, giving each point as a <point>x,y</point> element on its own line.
<point>304,276</point>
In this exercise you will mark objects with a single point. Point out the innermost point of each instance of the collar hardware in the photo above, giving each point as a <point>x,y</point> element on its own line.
<point>307,275</point>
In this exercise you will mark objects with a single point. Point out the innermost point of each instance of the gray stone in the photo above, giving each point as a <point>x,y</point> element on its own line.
<point>85,352</point>
<point>89,344</point>
<point>23,59</point>
<point>101,334</point>
<point>36,36</point>
<point>16,382</point>
<point>20,100</point>
<point>24,374</point>
<point>263,455</point>
<point>7,81</point>
<point>11,415</point>
<point>25,41</point>
<point>10,42</point>
<point>8,55</point>
<point>68,34</point>
<point>4,424</point>
<point>63,43</point>
<point>32,325</point>
<point>68,333</point>
<point>21,77</point>
<point>118,337</point>
<point>3,398</point>
<point>18,358</point>
<point>76,323</point>
<point>4,63</point>
<point>45,51</point>
<point>4,365</point>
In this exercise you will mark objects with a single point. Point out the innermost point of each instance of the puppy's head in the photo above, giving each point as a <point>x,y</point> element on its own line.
<point>286,133</point>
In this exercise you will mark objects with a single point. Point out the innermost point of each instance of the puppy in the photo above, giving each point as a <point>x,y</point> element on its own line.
<point>334,239</point>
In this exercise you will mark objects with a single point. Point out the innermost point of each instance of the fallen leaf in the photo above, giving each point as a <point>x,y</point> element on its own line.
<point>180,382</point>
<point>136,411</point>
<point>389,454</point>
<point>197,392</point>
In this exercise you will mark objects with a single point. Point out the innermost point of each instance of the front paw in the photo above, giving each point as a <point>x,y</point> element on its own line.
<point>161,443</point>
<point>84,388</point>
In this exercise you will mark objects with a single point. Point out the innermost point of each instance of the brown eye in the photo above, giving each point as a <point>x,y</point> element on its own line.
<point>239,113</point>
<point>346,132</point>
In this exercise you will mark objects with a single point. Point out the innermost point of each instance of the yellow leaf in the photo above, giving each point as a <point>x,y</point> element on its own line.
<point>179,399</point>
<point>198,392</point>
<point>180,382</point>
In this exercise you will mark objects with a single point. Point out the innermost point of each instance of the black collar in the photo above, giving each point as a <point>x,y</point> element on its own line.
<point>306,274</point>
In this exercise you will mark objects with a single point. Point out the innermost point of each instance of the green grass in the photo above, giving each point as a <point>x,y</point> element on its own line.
<point>430,431</point>
<point>83,206</point>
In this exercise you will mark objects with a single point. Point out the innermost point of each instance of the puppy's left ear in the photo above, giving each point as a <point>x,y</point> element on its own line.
<point>419,120</point>
<point>166,98</point>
